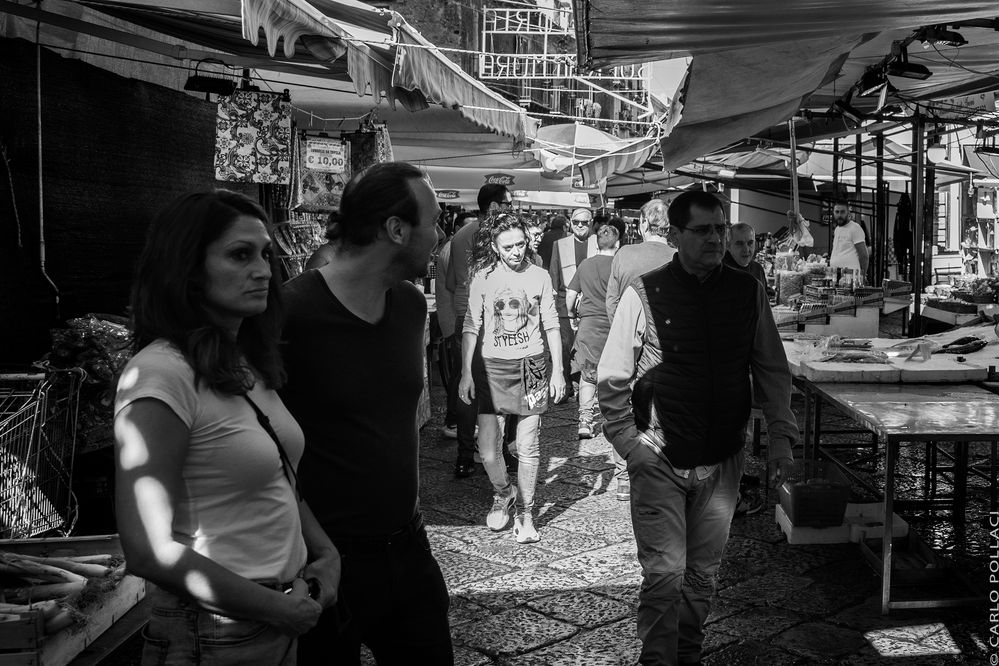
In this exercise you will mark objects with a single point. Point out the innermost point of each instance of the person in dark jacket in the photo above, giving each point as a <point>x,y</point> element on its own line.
<point>674,389</point>
<point>555,232</point>
<point>741,254</point>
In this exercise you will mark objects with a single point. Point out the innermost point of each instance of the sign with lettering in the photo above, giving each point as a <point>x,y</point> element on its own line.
<point>447,195</point>
<point>499,179</point>
<point>327,155</point>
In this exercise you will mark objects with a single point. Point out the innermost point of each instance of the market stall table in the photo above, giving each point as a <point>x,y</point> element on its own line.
<point>925,413</point>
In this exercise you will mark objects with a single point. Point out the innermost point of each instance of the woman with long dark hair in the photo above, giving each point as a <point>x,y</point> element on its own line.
<point>206,493</point>
<point>510,302</point>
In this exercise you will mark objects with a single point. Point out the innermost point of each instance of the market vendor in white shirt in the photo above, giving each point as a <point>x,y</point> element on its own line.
<point>849,249</point>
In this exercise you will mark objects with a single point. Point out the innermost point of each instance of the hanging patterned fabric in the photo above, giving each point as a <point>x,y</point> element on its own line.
<point>369,145</point>
<point>320,170</point>
<point>253,138</point>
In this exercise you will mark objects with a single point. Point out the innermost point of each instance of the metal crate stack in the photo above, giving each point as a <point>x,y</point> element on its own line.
<point>38,415</point>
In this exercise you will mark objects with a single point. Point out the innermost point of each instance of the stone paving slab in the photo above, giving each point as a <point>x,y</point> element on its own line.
<point>612,524</point>
<point>581,608</point>
<point>511,632</point>
<point>769,589</point>
<point>756,622</point>
<point>751,653</point>
<point>601,564</point>
<point>612,645</point>
<point>518,587</point>
<point>460,569</point>
<point>819,640</point>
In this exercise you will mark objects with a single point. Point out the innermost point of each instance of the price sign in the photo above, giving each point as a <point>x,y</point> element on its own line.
<point>327,155</point>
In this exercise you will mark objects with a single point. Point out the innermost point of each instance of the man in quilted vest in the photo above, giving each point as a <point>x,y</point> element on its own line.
<point>674,389</point>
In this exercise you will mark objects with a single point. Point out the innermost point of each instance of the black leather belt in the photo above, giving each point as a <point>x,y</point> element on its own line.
<point>400,536</point>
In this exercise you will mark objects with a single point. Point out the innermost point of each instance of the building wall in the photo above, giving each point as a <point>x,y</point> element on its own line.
<point>114,151</point>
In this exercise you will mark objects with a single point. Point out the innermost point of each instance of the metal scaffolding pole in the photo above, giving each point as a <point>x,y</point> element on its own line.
<point>880,231</point>
<point>918,221</point>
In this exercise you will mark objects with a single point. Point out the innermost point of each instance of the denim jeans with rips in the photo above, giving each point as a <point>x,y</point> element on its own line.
<point>681,521</point>
<point>180,633</point>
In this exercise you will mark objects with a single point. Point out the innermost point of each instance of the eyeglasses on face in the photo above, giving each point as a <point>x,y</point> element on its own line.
<point>705,230</point>
<point>580,223</point>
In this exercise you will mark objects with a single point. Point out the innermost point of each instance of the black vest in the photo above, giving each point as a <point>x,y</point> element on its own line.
<point>693,375</point>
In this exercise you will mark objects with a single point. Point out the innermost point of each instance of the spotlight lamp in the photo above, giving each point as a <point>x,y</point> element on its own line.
<point>209,84</point>
<point>939,34</point>
<point>900,66</point>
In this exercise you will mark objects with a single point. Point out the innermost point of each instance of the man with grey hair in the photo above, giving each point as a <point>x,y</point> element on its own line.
<point>631,261</point>
<point>741,254</point>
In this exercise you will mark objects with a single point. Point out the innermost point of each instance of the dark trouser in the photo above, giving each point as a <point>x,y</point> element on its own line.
<point>568,341</point>
<point>681,527</point>
<point>398,604</point>
<point>465,414</point>
<point>450,369</point>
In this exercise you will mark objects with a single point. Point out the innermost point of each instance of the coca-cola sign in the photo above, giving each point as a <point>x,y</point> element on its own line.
<point>499,179</point>
<point>447,195</point>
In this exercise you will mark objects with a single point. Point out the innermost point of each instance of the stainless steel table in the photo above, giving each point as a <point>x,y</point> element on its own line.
<point>908,413</point>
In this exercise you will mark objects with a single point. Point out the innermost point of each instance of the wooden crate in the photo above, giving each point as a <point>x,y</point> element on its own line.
<point>23,641</point>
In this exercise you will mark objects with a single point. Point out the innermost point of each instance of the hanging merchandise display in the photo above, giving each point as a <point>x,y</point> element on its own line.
<point>320,170</point>
<point>369,145</point>
<point>253,138</point>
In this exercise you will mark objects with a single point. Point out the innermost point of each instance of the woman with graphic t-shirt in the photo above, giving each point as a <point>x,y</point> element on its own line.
<point>504,363</point>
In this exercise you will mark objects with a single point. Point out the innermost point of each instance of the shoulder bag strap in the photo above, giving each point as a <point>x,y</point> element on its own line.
<point>289,469</point>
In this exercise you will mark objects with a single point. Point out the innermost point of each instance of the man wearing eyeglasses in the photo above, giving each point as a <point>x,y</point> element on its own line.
<point>674,389</point>
<point>567,254</point>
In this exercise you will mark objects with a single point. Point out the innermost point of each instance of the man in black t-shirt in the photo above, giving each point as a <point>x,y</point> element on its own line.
<point>353,350</point>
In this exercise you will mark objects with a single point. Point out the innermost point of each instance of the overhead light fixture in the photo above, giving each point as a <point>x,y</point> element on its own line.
<point>936,151</point>
<point>939,34</point>
<point>726,173</point>
<point>218,85</point>
<point>900,66</point>
<point>872,83</point>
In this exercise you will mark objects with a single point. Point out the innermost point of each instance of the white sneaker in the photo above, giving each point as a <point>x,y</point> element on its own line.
<point>585,430</point>
<point>499,516</point>
<point>523,528</point>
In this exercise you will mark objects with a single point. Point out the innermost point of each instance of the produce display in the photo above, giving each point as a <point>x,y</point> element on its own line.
<point>100,345</point>
<point>61,589</point>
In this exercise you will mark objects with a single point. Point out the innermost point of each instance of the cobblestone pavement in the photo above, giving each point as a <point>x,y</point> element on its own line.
<point>571,598</point>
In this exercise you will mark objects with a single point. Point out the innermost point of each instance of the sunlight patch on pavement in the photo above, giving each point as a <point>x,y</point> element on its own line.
<point>915,641</point>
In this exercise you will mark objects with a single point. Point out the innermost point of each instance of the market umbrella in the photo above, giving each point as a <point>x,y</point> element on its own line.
<point>578,150</point>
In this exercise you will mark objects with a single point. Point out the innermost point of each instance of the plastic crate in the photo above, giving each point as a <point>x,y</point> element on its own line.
<point>814,494</point>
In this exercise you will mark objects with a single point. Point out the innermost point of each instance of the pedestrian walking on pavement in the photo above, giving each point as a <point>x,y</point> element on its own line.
<point>353,351</point>
<point>585,301</point>
<point>510,303</point>
<point>492,198</point>
<point>674,388</point>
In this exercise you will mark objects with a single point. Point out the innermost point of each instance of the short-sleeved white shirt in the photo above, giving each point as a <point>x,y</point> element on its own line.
<point>235,505</point>
<point>844,254</point>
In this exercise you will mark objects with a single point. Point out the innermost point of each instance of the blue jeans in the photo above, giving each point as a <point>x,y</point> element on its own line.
<point>181,633</point>
<point>681,527</point>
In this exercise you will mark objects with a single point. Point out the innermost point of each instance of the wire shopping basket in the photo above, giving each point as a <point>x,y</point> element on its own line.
<point>38,418</point>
